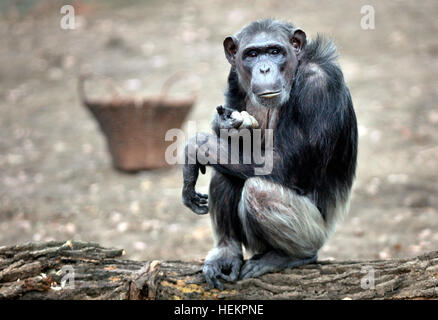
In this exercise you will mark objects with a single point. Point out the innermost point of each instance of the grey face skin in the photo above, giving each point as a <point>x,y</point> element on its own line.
<point>266,64</point>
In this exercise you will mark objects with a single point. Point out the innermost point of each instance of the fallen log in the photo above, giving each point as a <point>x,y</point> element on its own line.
<point>84,270</point>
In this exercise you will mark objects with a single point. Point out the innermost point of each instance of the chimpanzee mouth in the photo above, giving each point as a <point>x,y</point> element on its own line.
<point>269,94</point>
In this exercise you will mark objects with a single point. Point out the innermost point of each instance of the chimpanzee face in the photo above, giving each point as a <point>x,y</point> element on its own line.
<point>266,64</point>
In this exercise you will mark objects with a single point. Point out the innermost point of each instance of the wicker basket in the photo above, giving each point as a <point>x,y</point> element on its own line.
<point>135,128</point>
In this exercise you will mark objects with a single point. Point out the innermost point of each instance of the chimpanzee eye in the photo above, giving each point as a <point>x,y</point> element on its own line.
<point>274,51</point>
<point>252,54</point>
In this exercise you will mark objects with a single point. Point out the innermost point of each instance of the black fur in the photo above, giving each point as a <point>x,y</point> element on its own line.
<point>316,135</point>
<point>315,153</point>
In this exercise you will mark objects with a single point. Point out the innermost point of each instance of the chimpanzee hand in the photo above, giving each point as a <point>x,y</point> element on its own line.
<point>233,119</point>
<point>197,202</point>
<point>227,119</point>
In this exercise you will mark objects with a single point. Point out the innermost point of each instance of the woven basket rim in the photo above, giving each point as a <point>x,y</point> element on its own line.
<point>149,102</point>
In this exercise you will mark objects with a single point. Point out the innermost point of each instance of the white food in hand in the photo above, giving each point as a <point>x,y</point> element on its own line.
<point>248,121</point>
<point>237,115</point>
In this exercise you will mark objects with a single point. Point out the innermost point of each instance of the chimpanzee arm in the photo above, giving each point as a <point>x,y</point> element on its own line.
<point>210,150</point>
<point>233,154</point>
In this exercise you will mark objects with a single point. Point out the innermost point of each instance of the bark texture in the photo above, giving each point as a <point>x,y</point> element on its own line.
<point>84,270</point>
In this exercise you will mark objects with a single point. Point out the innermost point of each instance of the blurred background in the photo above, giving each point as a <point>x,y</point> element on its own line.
<point>56,176</point>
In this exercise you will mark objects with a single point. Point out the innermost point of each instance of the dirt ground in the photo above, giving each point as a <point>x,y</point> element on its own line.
<point>56,178</point>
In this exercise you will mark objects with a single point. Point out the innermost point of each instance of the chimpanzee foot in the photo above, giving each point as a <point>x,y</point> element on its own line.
<point>271,262</point>
<point>222,263</point>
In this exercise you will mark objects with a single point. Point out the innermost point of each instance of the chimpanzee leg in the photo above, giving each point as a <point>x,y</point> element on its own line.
<point>283,229</point>
<point>224,196</point>
<point>225,259</point>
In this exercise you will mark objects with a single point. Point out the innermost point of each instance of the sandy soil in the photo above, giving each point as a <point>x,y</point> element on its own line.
<point>56,179</point>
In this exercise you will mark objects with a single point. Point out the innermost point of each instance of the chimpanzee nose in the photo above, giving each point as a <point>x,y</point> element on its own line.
<point>264,69</point>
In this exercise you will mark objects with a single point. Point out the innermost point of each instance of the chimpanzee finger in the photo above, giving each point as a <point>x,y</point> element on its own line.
<point>202,195</point>
<point>198,209</point>
<point>224,277</point>
<point>236,123</point>
<point>210,273</point>
<point>209,278</point>
<point>220,110</point>
<point>211,282</point>
<point>218,284</point>
<point>200,200</point>
<point>235,270</point>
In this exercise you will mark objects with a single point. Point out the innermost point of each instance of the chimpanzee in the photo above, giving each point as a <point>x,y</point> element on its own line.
<point>296,88</point>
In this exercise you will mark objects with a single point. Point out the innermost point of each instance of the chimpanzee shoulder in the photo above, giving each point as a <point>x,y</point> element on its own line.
<point>319,64</point>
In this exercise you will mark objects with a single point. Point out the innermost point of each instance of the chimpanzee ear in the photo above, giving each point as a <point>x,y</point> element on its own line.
<point>298,40</point>
<point>230,47</point>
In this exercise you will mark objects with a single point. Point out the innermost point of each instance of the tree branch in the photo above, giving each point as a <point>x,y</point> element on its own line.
<point>84,270</point>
